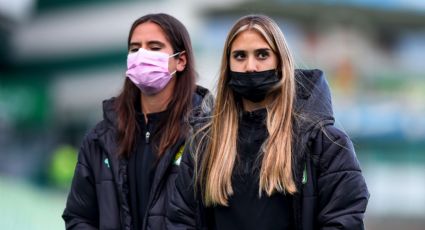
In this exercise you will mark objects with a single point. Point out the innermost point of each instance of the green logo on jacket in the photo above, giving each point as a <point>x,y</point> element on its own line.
<point>106,161</point>
<point>304,181</point>
<point>178,156</point>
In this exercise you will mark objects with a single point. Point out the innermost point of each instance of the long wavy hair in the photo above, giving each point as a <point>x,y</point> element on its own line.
<point>171,128</point>
<point>214,174</point>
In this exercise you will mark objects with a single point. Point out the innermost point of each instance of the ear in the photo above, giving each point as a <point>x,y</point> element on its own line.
<point>181,61</point>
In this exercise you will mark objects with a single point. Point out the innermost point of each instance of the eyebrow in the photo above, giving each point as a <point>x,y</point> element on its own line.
<point>149,43</point>
<point>263,49</point>
<point>256,50</point>
<point>238,51</point>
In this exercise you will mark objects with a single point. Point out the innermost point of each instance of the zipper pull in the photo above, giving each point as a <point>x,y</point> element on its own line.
<point>148,134</point>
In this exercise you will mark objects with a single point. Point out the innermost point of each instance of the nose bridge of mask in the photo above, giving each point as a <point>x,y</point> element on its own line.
<point>158,54</point>
<point>147,57</point>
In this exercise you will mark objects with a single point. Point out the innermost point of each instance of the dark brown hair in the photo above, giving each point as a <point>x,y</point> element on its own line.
<point>173,126</point>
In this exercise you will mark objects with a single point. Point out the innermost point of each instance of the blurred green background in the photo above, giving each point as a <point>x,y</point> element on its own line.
<point>60,58</point>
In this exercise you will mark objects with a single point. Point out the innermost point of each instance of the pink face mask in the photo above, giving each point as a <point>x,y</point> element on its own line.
<point>148,70</point>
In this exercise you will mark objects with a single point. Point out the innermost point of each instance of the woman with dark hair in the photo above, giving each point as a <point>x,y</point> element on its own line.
<point>270,157</point>
<point>127,163</point>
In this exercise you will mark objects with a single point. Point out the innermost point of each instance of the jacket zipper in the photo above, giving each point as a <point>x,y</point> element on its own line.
<point>153,194</point>
<point>147,134</point>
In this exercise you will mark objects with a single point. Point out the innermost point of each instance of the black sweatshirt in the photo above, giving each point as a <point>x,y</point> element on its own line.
<point>246,209</point>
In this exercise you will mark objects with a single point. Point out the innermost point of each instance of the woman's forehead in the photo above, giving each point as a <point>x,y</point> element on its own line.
<point>147,32</point>
<point>249,39</point>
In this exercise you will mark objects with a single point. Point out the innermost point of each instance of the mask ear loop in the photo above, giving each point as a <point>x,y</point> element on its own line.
<point>178,53</point>
<point>173,73</point>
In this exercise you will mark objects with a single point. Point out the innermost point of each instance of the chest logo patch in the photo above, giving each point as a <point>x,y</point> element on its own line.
<point>106,161</point>
<point>178,156</point>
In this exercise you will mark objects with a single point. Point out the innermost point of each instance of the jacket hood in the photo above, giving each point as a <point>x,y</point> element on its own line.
<point>109,113</point>
<point>313,109</point>
<point>313,104</point>
<point>202,104</point>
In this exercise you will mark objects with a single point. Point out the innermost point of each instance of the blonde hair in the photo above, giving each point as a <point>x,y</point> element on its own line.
<point>216,167</point>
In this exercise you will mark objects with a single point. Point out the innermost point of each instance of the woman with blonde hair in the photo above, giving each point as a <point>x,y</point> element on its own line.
<point>270,157</point>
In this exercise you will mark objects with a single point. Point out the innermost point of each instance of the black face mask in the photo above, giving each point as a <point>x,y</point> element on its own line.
<point>253,86</point>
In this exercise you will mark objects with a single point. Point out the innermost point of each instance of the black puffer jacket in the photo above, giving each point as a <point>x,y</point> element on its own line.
<point>332,193</point>
<point>99,194</point>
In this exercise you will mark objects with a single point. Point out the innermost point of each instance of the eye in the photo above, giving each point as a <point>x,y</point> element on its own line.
<point>239,55</point>
<point>263,54</point>
<point>155,48</point>
<point>133,49</point>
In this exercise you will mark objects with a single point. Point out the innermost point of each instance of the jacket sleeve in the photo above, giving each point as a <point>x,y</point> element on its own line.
<point>342,190</point>
<point>81,211</point>
<point>181,212</point>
